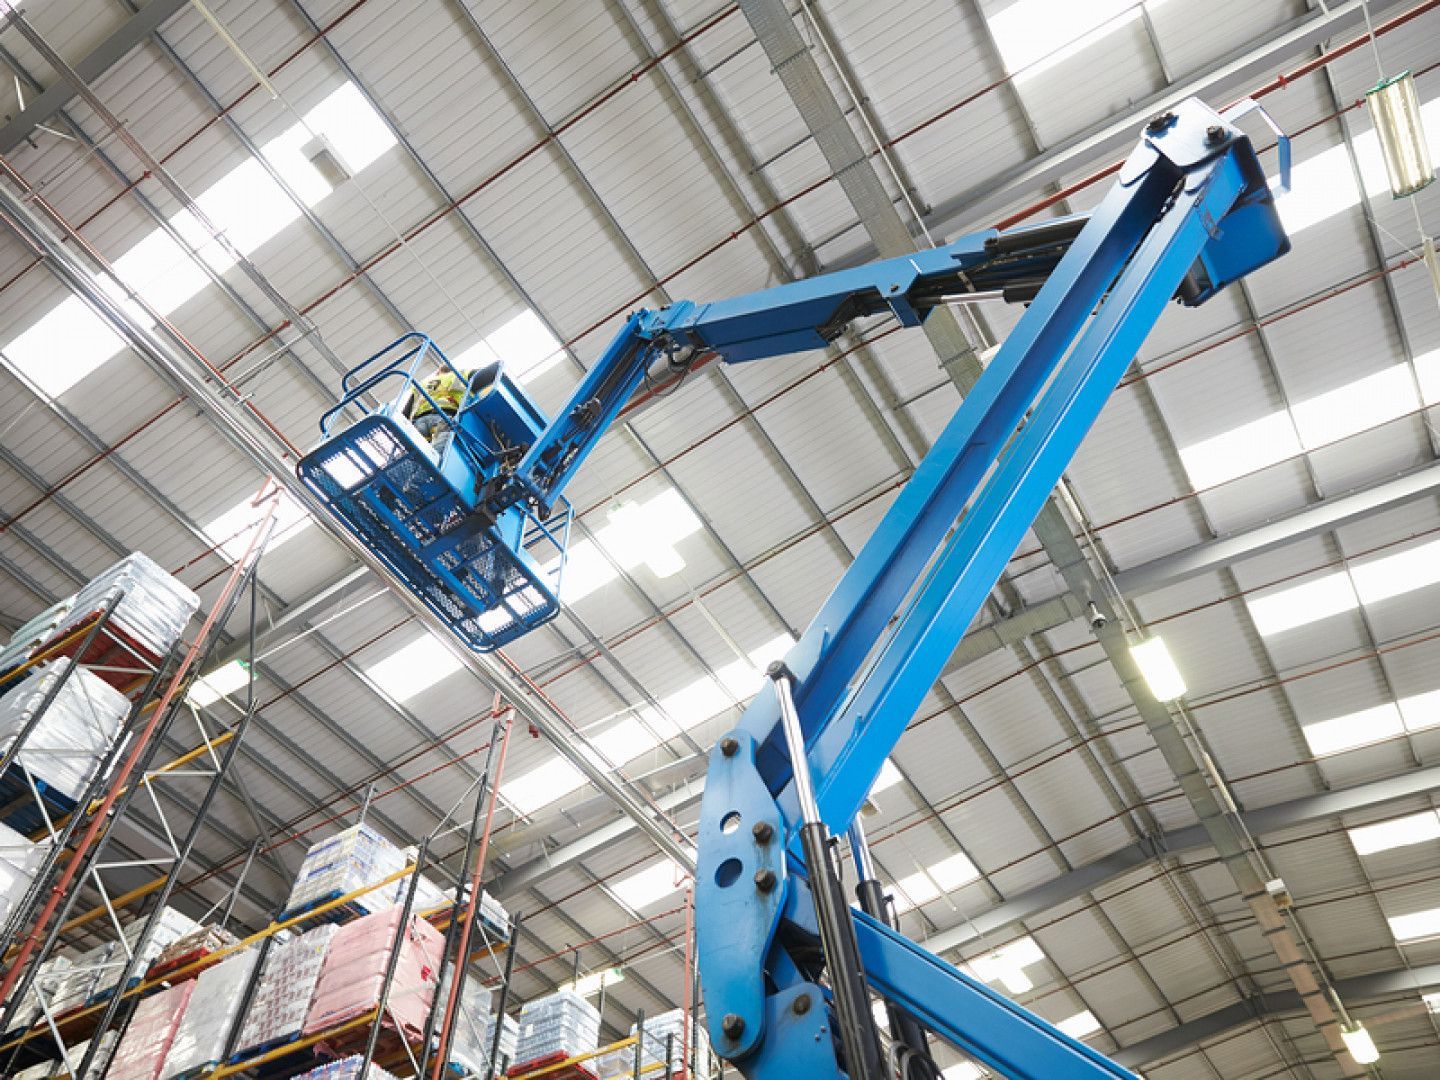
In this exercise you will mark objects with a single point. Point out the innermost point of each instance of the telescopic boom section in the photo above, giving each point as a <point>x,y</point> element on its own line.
<point>1190,213</point>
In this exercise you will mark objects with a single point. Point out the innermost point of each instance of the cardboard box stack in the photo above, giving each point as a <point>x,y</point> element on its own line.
<point>141,1053</point>
<point>354,970</point>
<point>350,860</point>
<point>212,1014</point>
<point>286,989</point>
<point>75,730</point>
<point>19,861</point>
<point>151,615</point>
<point>345,1069</point>
<point>563,1023</point>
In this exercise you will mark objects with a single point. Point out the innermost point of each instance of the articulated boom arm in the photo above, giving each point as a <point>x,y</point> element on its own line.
<point>787,965</point>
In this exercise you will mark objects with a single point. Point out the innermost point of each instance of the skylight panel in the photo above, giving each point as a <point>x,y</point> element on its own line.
<point>248,206</point>
<point>221,682</point>
<point>1240,450</point>
<point>1353,730</point>
<point>1421,711</point>
<point>1420,924</point>
<point>1080,1025</point>
<point>963,1070</point>
<point>414,667</point>
<point>1432,1001</point>
<point>1391,575</point>
<point>1402,832</point>
<point>627,739</point>
<point>1356,406</point>
<point>63,346</point>
<point>935,880</point>
<point>648,887</point>
<point>1319,598</point>
<point>231,530</point>
<point>648,534</point>
<point>591,984</point>
<point>526,346</point>
<point>352,127</point>
<point>1006,965</point>
<point>542,785</point>
<point>888,778</point>
<point>161,272</point>
<point>1034,35</point>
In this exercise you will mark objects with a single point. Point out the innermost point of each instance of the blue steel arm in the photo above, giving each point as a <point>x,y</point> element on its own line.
<point>1190,212</point>
<point>795,317</point>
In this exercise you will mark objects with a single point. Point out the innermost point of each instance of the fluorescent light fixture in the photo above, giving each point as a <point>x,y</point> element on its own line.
<point>231,530</point>
<point>1296,605</point>
<point>1402,832</point>
<point>1359,1043</point>
<point>1395,112</point>
<point>589,985</point>
<point>934,881</point>
<point>1158,667</point>
<point>1417,925</point>
<point>220,682</point>
<point>1079,1025</point>
<point>1354,729</point>
<point>1244,449</point>
<point>1007,964</point>
<point>413,667</point>
<point>646,887</point>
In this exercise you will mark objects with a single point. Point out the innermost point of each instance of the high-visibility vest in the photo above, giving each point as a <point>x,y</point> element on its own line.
<point>445,388</point>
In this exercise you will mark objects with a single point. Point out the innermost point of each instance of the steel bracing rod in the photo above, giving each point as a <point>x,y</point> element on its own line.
<point>392,962</point>
<point>97,833</point>
<point>477,875</point>
<point>492,1064</point>
<point>253,437</point>
<point>837,935</point>
<point>93,790</point>
<point>197,824</point>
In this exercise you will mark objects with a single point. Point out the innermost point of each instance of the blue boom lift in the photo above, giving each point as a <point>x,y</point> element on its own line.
<point>478,531</point>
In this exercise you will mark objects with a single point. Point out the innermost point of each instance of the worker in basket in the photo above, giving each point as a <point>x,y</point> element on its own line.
<point>448,390</point>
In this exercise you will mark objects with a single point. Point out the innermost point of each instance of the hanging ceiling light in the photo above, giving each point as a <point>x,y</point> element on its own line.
<point>1359,1043</point>
<point>1395,111</point>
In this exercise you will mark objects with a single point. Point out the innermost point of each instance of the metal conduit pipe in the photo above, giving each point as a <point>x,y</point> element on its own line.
<point>249,433</point>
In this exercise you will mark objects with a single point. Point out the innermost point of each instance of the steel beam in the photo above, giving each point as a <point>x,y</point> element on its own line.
<point>1176,1040</point>
<point>106,55</point>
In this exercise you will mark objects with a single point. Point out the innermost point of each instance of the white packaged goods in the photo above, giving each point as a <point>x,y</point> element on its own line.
<point>23,641</point>
<point>560,1023</point>
<point>494,915</point>
<point>213,1011</point>
<point>153,612</point>
<point>38,1072</point>
<point>19,860</point>
<point>345,1069</point>
<point>48,979</point>
<point>509,1038</point>
<point>287,985</point>
<point>77,1053</point>
<point>670,1028</point>
<point>350,860</point>
<point>470,1046</point>
<point>75,730</point>
<point>111,960</point>
<point>151,1032</point>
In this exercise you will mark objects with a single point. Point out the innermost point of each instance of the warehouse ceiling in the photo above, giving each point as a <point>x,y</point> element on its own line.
<point>513,179</point>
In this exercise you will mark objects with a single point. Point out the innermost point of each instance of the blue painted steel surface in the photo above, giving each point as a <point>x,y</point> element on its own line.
<point>1189,214</point>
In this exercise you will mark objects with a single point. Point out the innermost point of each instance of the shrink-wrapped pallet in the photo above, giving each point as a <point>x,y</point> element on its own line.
<point>354,972</point>
<point>19,860</point>
<point>152,613</point>
<point>22,643</point>
<point>170,926</point>
<point>285,991</point>
<point>561,1023</point>
<point>74,731</point>
<point>345,1069</point>
<point>48,980</point>
<point>211,1015</point>
<point>150,1034</point>
<point>192,946</point>
<point>343,863</point>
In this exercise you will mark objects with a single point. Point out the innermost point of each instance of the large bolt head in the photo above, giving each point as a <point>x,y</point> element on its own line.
<point>765,880</point>
<point>762,831</point>
<point>728,745</point>
<point>732,1026</point>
